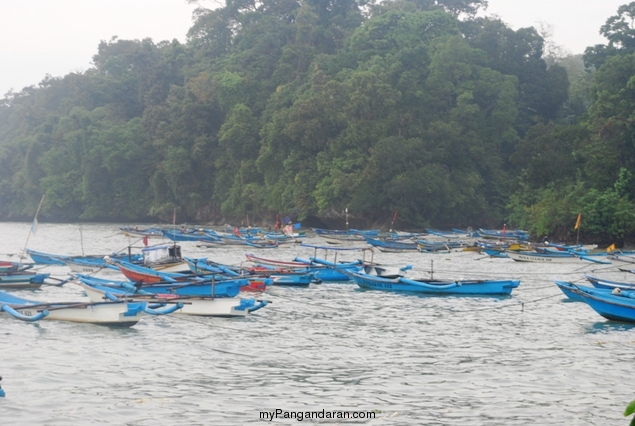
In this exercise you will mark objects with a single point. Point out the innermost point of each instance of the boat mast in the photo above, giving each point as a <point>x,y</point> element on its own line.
<point>33,228</point>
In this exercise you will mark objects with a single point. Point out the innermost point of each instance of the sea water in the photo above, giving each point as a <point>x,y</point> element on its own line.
<point>328,354</point>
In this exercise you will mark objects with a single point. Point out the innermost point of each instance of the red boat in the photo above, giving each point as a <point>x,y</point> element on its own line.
<point>146,275</point>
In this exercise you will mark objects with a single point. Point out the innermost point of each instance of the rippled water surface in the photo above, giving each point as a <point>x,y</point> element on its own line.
<point>529,359</point>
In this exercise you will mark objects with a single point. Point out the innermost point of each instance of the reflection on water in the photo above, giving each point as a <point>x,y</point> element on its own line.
<point>527,359</point>
<point>607,326</point>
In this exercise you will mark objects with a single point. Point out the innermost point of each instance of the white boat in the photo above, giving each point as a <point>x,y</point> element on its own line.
<point>113,313</point>
<point>550,257</point>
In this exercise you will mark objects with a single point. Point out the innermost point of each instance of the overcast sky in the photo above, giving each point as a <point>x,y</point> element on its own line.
<point>56,37</point>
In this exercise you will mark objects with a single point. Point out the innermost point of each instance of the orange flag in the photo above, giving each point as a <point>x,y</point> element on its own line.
<point>577,222</point>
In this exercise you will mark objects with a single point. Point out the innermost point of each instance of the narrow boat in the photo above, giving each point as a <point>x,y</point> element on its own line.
<point>112,313</point>
<point>273,262</point>
<point>432,286</point>
<point>204,235</point>
<point>15,275</point>
<point>504,234</point>
<point>192,305</point>
<point>42,258</point>
<point>390,245</point>
<point>555,257</point>
<point>142,232</point>
<point>569,290</point>
<point>321,272</point>
<point>211,288</point>
<point>257,275</point>
<point>340,236</point>
<point>198,272</point>
<point>615,305</point>
<point>609,284</point>
<point>20,280</point>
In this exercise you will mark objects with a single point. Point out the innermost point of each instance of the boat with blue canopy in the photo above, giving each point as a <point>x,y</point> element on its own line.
<point>99,290</point>
<point>199,286</point>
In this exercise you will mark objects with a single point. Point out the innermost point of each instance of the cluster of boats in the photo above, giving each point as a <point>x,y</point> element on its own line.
<point>160,280</point>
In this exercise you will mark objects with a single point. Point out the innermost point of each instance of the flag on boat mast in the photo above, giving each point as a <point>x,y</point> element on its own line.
<point>577,222</point>
<point>34,225</point>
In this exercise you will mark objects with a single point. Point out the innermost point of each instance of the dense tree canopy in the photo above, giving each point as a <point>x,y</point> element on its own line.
<point>311,107</point>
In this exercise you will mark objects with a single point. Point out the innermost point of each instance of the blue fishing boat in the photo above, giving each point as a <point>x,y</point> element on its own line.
<point>609,284</point>
<point>615,305</point>
<point>192,305</point>
<point>204,235</point>
<point>22,279</point>
<point>569,290</point>
<point>15,275</point>
<point>195,287</point>
<point>390,245</point>
<point>321,272</point>
<point>504,234</point>
<point>432,286</point>
<point>270,274</point>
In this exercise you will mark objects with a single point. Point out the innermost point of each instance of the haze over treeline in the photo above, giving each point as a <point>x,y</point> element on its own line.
<point>308,108</point>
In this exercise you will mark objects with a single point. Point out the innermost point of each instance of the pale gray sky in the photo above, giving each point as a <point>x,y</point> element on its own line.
<point>56,37</point>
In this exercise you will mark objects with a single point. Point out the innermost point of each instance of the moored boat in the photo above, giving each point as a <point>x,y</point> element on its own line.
<point>555,257</point>
<point>15,275</point>
<point>119,313</point>
<point>192,305</point>
<point>432,286</point>
<point>615,305</point>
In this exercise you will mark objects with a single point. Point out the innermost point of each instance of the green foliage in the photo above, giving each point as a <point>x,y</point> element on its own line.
<point>630,409</point>
<point>413,106</point>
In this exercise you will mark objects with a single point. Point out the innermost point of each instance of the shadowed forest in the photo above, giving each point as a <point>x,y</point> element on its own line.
<point>306,108</point>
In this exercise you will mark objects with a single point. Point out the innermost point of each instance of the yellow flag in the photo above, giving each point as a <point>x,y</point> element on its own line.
<point>577,222</point>
<point>610,248</point>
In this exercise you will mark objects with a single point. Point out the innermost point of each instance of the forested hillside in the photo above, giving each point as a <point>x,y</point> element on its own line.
<point>311,107</point>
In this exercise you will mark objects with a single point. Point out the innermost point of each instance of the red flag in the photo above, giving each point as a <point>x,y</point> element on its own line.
<point>394,217</point>
<point>145,240</point>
